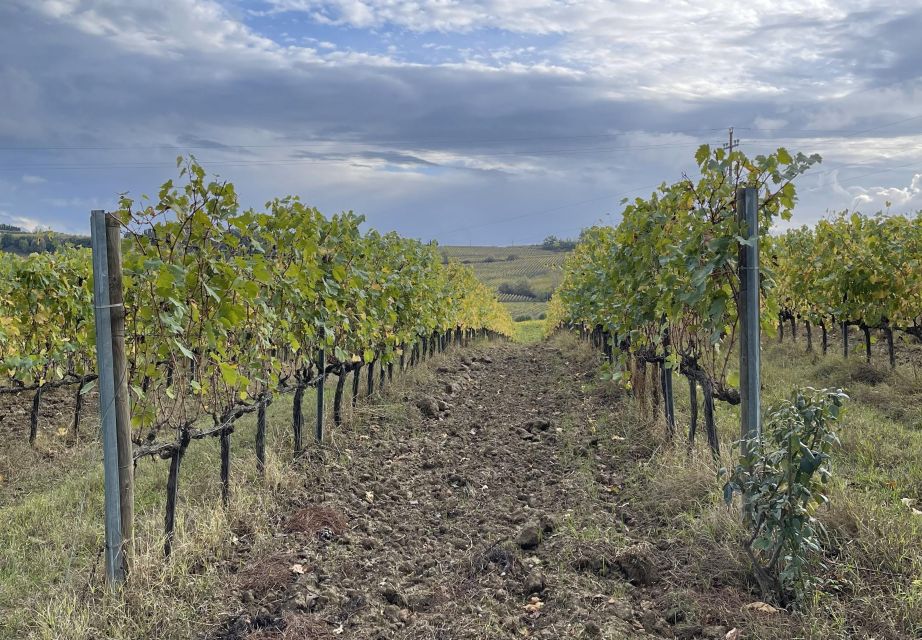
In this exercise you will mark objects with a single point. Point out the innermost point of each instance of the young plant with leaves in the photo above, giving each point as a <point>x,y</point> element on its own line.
<point>782,479</point>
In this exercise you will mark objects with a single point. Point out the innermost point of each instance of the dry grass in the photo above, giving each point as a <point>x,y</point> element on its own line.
<point>297,627</point>
<point>314,519</point>
<point>869,575</point>
<point>272,573</point>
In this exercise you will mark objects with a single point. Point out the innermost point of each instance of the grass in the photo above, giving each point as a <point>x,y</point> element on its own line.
<point>51,535</point>
<point>870,571</point>
<point>528,331</point>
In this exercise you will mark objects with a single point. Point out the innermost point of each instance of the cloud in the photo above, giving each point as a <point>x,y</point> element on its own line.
<point>906,199</point>
<point>430,116</point>
<point>29,224</point>
<point>33,179</point>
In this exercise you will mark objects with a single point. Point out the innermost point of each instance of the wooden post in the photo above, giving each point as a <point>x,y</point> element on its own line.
<point>114,548</point>
<point>120,365</point>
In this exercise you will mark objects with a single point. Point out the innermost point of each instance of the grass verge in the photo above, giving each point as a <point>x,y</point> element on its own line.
<point>870,568</point>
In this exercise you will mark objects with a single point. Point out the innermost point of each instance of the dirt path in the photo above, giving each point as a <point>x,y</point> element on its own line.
<point>497,516</point>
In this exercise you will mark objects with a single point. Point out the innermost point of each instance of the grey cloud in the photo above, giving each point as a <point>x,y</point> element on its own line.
<point>475,146</point>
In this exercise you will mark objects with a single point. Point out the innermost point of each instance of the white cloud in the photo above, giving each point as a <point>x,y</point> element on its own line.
<point>664,48</point>
<point>27,179</point>
<point>29,224</point>
<point>896,199</point>
<point>166,28</point>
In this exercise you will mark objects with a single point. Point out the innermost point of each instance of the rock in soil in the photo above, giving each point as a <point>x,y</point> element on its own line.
<point>535,582</point>
<point>428,406</point>
<point>636,562</point>
<point>529,537</point>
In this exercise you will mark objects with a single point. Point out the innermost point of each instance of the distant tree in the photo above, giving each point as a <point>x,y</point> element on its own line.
<point>518,288</point>
<point>553,243</point>
<point>550,243</point>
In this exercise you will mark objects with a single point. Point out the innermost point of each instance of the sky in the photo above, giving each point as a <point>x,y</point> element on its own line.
<point>468,122</point>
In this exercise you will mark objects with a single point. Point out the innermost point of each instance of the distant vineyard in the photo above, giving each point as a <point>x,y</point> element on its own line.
<point>532,310</point>
<point>511,297</point>
<point>541,269</point>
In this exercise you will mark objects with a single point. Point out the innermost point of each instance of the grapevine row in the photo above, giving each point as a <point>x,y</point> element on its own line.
<point>852,270</point>
<point>661,289</point>
<point>226,308</point>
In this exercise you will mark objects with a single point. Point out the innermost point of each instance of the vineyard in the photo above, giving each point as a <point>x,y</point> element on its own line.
<point>226,310</point>
<point>662,294</point>
<point>453,483</point>
<point>662,288</point>
<point>852,271</point>
<point>524,277</point>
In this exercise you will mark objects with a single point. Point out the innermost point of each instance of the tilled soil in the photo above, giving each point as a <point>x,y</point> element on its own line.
<point>491,512</point>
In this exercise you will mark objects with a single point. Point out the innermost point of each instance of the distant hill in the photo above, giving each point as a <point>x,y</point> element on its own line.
<point>21,242</point>
<point>524,277</point>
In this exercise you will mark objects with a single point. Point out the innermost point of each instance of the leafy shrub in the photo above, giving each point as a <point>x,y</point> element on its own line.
<point>553,243</point>
<point>542,316</point>
<point>782,478</point>
<point>522,318</point>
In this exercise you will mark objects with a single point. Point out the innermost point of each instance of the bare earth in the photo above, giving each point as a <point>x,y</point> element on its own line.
<point>498,515</point>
